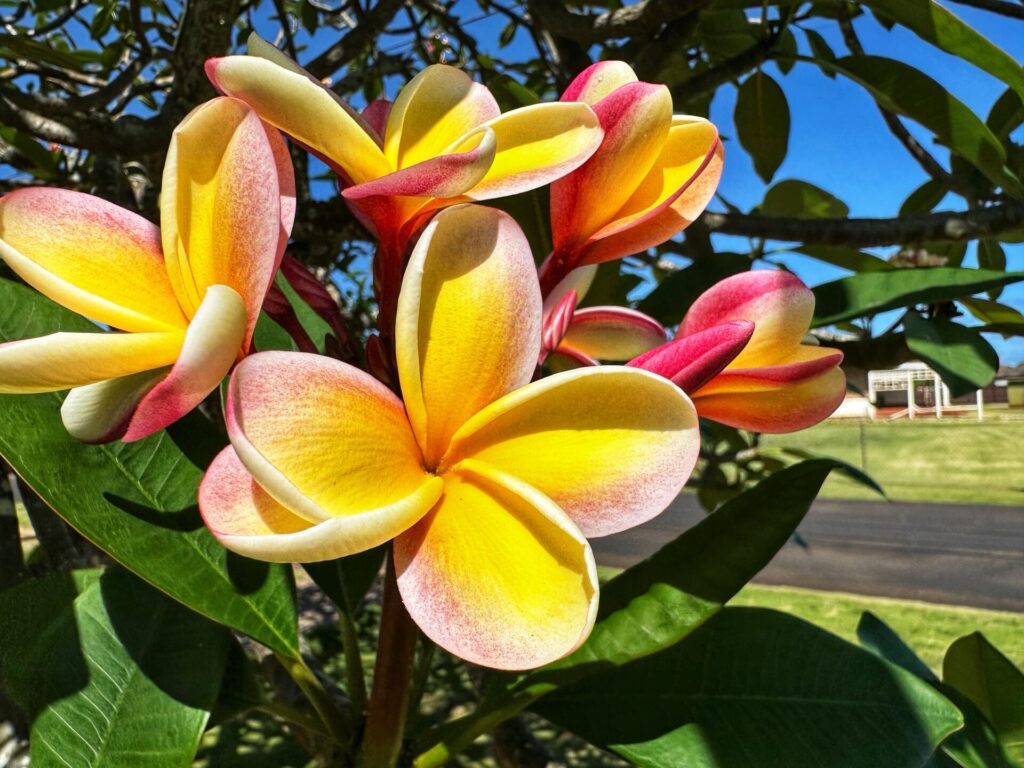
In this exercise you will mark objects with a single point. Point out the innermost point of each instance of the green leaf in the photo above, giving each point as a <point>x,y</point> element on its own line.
<point>668,302</point>
<point>901,88</point>
<point>877,636</point>
<point>924,198</point>
<point>822,52</point>
<point>138,501</point>
<point>1006,114</point>
<point>44,160</point>
<point>347,580</point>
<point>754,687</point>
<point>23,47</point>
<point>762,123</point>
<point>943,29</point>
<point>992,311</point>
<point>725,32</point>
<point>786,51</point>
<point>802,200</point>
<point>611,286</point>
<point>112,673</point>
<point>991,255</point>
<point>844,257</point>
<point>873,292</point>
<point>963,359</point>
<point>976,668</point>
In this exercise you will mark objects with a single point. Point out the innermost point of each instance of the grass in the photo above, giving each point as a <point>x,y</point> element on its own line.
<point>952,460</point>
<point>927,628</point>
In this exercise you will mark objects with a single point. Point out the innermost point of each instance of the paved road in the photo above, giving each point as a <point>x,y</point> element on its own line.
<point>943,553</point>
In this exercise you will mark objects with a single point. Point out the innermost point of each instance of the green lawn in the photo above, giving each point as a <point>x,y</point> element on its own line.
<point>954,460</point>
<point>928,629</point>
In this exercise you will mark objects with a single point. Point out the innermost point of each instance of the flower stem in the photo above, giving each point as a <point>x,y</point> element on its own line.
<point>333,717</point>
<point>392,676</point>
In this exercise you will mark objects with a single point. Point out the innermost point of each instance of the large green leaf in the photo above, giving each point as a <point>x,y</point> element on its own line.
<point>873,292</point>
<point>112,673</point>
<point>879,637</point>
<point>901,88</point>
<point>976,668</point>
<point>138,501</point>
<point>844,257</point>
<point>754,687</point>
<point>963,359</point>
<point>762,123</point>
<point>938,26</point>
<point>659,601</point>
<point>802,200</point>
<point>668,302</point>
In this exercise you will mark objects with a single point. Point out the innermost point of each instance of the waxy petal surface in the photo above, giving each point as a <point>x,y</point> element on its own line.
<point>66,360</point>
<point>248,520</point>
<point>433,111</point>
<point>773,407</point>
<point>497,574</point>
<point>612,333</point>
<point>227,205</point>
<point>326,440</point>
<point>612,446</point>
<point>468,323</point>
<point>690,362</point>
<point>90,256</point>
<point>292,101</point>
<point>101,412</point>
<point>636,120</point>
<point>211,347</point>
<point>598,80</point>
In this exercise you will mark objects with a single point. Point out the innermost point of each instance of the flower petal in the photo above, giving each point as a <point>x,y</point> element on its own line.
<point>578,280</point>
<point>535,146</point>
<point>442,176</point>
<point>468,324</point>
<point>613,333</point>
<point>291,100</point>
<point>636,120</point>
<point>690,362</point>
<point>672,195</point>
<point>211,347</point>
<point>432,111</point>
<point>497,574</point>
<point>248,520</point>
<point>101,412</point>
<point>598,80</point>
<point>763,406</point>
<point>328,441</point>
<point>90,256</point>
<point>612,446</point>
<point>66,360</point>
<point>777,302</point>
<point>227,205</point>
<point>376,115</point>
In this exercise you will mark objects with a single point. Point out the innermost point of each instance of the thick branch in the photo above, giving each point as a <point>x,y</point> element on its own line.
<point>949,225</point>
<point>643,18</point>
<point>728,70</point>
<point>1004,7</point>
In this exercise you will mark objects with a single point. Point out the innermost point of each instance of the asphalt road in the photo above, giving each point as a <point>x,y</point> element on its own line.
<point>957,554</point>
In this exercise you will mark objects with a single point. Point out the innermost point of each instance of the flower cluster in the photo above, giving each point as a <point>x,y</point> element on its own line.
<point>505,438</point>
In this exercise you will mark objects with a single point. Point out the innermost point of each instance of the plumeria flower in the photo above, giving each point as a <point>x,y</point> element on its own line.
<point>573,337</point>
<point>742,355</point>
<point>185,297</point>
<point>487,483</point>
<point>653,174</point>
<point>443,140</point>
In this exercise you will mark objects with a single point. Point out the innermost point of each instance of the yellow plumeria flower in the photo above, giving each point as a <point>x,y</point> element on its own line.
<point>186,296</point>
<point>487,483</point>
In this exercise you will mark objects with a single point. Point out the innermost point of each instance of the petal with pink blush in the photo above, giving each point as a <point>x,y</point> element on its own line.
<point>612,446</point>
<point>101,412</point>
<point>90,256</point>
<point>612,333</point>
<point>248,520</point>
<point>294,102</point>
<point>66,360</point>
<point>578,280</point>
<point>772,407</point>
<point>497,574</point>
<point>598,80</point>
<point>212,344</point>
<point>432,111</point>
<point>227,204</point>
<point>376,115</point>
<point>468,321</point>
<point>636,120</point>
<point>442,176</point>
<point>327,440</point>
<point>690,362</point>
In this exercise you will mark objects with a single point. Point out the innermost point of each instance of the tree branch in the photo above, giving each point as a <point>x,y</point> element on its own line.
<point>643,18</point>
<point>726,71</point>
<point>943,226</point>
<point>360,36</point>
<point>1003,7</point>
